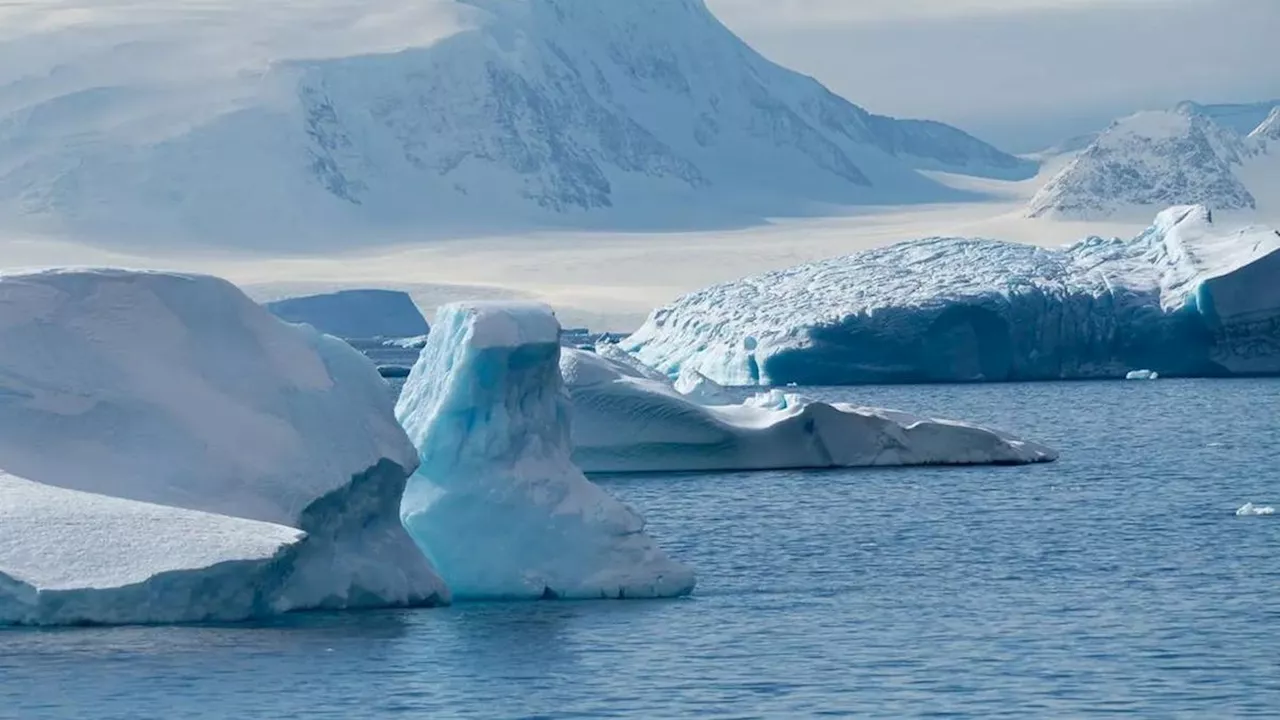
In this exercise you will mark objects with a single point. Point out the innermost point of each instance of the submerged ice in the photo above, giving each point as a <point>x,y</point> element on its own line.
<point>628,421</point>
<point>172,452</point>
<point>1184,298</point>
<point>497,503</point>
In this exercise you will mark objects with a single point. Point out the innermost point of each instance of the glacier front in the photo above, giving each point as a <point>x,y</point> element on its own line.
<point>496,503</point>
<point>175,453</point>
<point>1184,298</point>
<point>627,422</point>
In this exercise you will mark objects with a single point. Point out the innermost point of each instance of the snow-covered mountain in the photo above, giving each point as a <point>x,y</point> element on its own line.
<point>1269,130</point>
<point>1240,118</point>
<point>508,113</point>
<point>1159,158</point>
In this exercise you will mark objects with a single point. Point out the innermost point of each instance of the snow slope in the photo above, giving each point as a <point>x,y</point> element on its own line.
<point>265,127</point>
<point>179,391</point>
<point>497,504</point>
<point>625,422</point>
<point>355,314</point>
<point>1183,298</point>
<point>1268,131</point>
<point>1240,118</point>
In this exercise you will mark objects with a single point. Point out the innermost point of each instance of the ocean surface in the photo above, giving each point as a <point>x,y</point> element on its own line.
<point>1117,581</point>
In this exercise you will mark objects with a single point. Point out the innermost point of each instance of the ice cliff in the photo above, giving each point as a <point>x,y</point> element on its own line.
<point>497,503</point>
<point>169,451</point>
<point>1184,298</point>
<point>624,421</point>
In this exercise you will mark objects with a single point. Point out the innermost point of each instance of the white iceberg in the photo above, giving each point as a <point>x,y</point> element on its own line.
<point>1142,375</point>
<point>406,343</point>
<point>1251,510</point>
<point>356,314</point>
<point>183,415</point>
<point>496,503</point>
<point>626,422</point>
<point>1184,298</point>
<point>70,557</point>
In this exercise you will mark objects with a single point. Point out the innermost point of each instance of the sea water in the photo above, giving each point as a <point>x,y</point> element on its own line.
<point>1116,581</point>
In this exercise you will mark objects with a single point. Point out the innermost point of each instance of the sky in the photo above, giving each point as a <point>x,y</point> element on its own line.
<point>1024,74</point>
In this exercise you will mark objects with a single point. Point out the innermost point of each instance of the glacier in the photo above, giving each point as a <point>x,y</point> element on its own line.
<point>1183,298</point>
<point>625,421</point>
<point>191,457</point>
<point>355,314</point>
<point>496,503</point>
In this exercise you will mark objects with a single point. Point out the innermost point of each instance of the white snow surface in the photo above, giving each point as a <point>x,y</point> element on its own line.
<point>1156,159</point>
<point>627,423</point>
<point>177,400</point>
<point>1183,298</point>
<point>355,314</point>
<point>497,503</point>
<point>65,539</point>
<point>263,125</point>
<point>106,560</point>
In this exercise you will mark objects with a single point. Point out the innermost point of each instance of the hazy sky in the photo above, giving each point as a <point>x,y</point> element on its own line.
<point>1023,73</point>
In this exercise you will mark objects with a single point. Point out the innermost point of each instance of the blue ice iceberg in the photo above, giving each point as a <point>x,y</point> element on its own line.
<point>496,503</point>
<point>170,451</point>
<point>1184,298</point>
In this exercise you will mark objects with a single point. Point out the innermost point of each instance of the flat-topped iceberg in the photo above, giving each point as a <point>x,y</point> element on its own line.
<point>1184,298</point>
<point>70,557</point>
<point>355,314</point>
<point>497,503</point>
<point>173,452</point>
<point>625,421</point>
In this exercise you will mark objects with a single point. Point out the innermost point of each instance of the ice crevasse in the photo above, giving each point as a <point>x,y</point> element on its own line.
<point>171,452</point>
<point>497,503</point>
<point>627,418</point>
<point>1184,298</point>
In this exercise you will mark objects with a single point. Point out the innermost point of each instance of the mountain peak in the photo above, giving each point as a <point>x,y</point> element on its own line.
<point>1149,159</point>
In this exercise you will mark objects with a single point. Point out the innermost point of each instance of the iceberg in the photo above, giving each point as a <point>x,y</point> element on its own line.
<point>172,452</point>
<point>356,314</point>
<point>496,503</point>
<point>1142,375</point>
<point>69,557</point>
<point>626,422</point>
<point>1251,510</point>
<point>406,343</point>
<point>1183,299</point>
